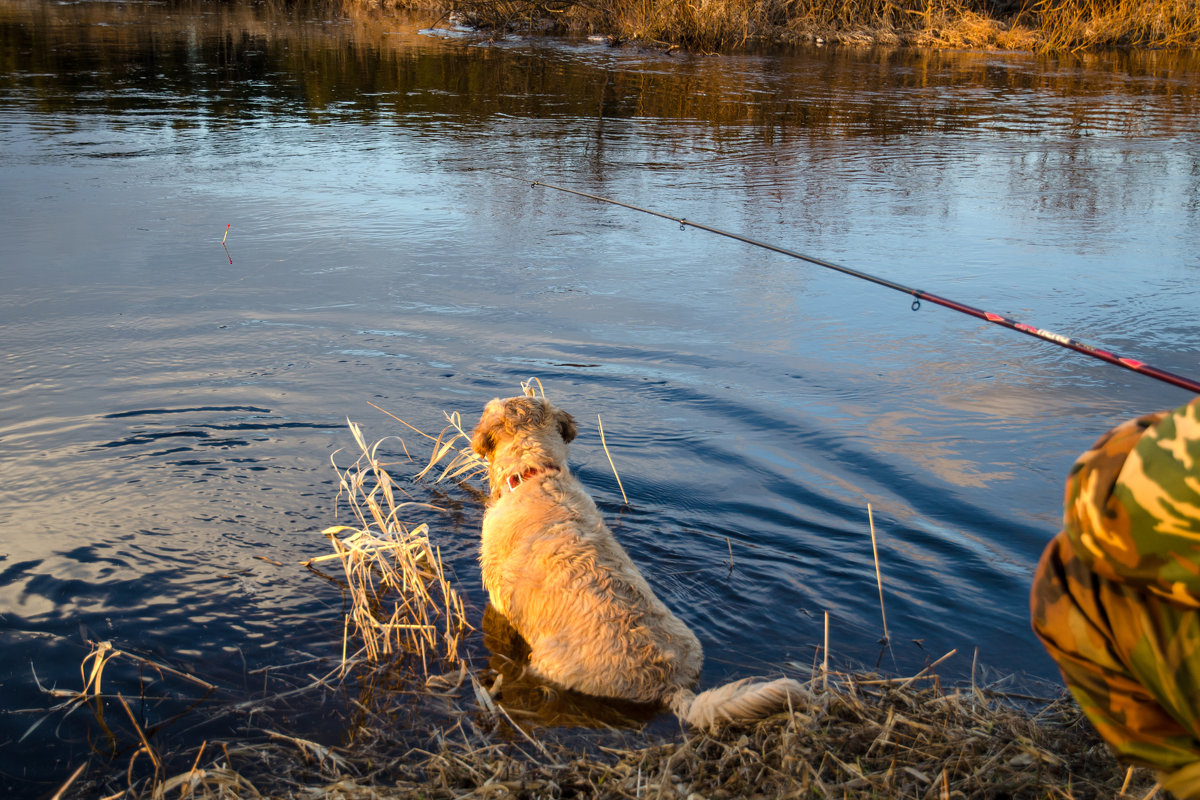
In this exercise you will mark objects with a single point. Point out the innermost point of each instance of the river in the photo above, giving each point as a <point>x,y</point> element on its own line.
<point>170,405</point>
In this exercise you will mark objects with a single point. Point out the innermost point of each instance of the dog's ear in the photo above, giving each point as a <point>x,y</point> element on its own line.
<point>483,439</point>
<point>566,425</point>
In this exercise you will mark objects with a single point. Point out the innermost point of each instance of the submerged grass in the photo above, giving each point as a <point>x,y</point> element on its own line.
<point>863,736</point>
<point>713,25</point>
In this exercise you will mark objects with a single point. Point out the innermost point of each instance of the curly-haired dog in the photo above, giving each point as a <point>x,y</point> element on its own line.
<point>554,569</point>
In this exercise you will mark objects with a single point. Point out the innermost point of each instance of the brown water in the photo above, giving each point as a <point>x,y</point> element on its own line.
<point>167,417</point>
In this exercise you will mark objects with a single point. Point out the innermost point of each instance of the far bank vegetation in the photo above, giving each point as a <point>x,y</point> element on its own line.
<point>710,25</point>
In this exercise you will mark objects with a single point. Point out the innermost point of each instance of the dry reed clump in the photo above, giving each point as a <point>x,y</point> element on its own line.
<point>863,737</point>
<point>1080,24</point>
<point>715,25</point>
<point>401,599</point>
<point>872,737</point>
<point>954,25</point>
<point>868,737</point>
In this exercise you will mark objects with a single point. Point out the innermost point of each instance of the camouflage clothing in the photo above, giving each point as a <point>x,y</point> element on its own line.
<point>1116,597</point>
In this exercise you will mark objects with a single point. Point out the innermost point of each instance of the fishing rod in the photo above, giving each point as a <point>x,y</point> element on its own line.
<point>1012,324</point>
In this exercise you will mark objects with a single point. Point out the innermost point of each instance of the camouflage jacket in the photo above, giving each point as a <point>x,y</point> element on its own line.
<point>1116,597</point>
<point>1132,508</point>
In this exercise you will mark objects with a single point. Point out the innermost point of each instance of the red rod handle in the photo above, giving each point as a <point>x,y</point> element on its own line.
<point>1067,342</point>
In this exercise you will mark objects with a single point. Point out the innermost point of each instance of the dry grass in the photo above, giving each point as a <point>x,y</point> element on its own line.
<point>1080,24</point>
<point>863,737</point>
<point>401,599</point>
<point>958,25</point>
<point>715,25</point>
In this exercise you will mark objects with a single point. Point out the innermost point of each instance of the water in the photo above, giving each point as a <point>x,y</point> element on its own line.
<point>167,417</point>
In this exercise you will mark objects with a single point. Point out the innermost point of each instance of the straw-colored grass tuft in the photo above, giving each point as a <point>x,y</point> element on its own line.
<point>401,599</point>
<point>862,737</point>
<point>874,737</point>
<point>1082,24</point>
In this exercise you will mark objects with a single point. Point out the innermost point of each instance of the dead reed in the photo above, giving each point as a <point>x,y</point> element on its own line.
<point>863,737</point>
<point>1081,24</point>
<point>717,25</point>
<point>92,694</point>
<point>873,737</point>
<point>401,600</point>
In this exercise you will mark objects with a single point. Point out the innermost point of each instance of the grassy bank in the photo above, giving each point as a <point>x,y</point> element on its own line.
<point>712,25</point>
<point>863,737</point>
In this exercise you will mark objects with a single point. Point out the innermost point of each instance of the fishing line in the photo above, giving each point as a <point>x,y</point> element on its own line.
<point>1048,336</point>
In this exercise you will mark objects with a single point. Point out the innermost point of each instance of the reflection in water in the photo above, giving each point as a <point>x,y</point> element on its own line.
<point>528,699</point>
<point>168,417</point>
<point>237,63</point>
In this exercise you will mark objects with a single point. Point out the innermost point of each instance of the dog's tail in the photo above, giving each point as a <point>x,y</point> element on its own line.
<point>740,701</point>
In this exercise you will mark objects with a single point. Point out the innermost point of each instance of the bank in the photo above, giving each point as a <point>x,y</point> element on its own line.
<point>862,736</point>
<point>727,25</point>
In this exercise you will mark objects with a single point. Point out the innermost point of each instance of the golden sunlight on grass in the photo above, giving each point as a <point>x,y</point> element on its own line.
<point>863,736</point>
<point>401,599</point>
<point>719,25</point>
<point>1079,24</point>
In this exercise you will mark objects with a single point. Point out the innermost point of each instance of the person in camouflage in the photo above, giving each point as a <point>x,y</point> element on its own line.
<point>1116,596</point>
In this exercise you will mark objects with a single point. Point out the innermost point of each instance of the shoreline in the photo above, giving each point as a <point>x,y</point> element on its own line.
<point>861,736</point>
<point>727,26</point>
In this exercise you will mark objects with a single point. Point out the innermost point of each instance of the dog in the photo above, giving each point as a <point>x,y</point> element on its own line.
<point>555,571</point>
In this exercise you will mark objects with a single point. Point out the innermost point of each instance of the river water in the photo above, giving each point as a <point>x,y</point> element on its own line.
<point>170,406</point>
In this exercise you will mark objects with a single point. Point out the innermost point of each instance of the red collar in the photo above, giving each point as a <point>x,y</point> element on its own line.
<point>514,480</point>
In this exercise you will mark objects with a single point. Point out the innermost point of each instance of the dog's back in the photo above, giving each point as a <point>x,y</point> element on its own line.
<point>591,621</point>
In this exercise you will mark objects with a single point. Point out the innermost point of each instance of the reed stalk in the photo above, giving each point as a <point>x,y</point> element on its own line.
<point>825,657</point>
<point>878,575</point>
<point>625,499</point>
<point>402,601</point>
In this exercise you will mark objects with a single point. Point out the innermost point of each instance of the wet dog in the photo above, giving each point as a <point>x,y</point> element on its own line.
<point>554,570</point>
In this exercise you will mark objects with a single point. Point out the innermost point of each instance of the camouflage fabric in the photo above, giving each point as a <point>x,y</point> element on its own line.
<point>1116,596</point>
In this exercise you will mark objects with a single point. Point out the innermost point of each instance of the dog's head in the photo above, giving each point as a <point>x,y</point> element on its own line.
<point>522,432</point>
